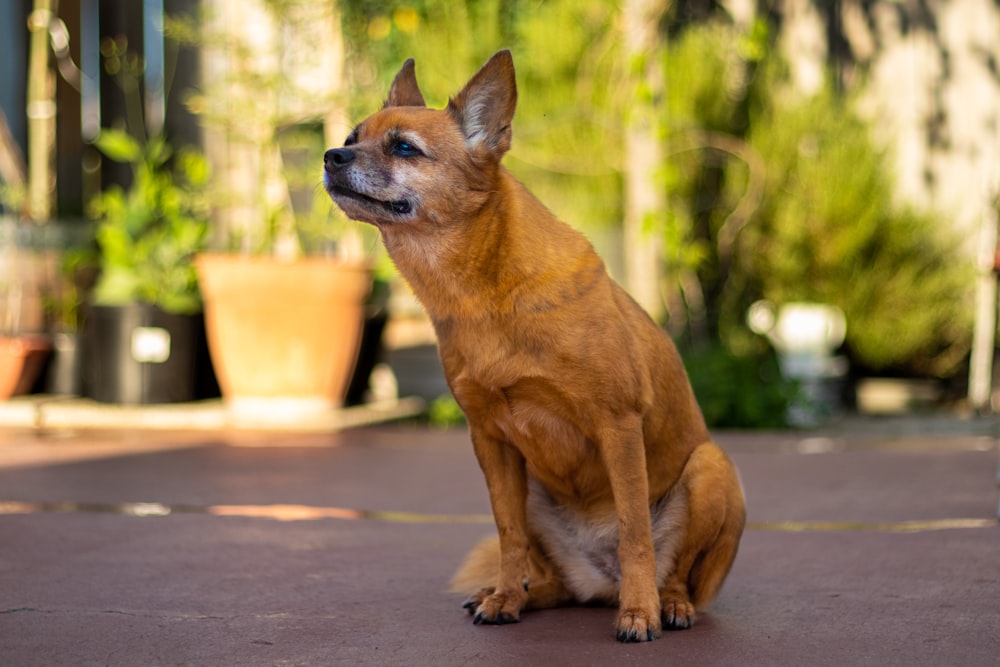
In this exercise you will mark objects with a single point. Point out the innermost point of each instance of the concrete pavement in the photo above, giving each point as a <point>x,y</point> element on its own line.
<point>865,547</point>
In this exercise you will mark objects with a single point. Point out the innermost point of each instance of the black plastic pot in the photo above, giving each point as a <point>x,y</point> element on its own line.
<point>139,354</point>
<point>370,351</point>
<point>62,374</point>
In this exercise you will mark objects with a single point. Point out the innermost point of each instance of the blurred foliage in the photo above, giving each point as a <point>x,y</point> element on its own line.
<point>772,193</point>
<point>270,115</point>
<point>444,412</point>
<point>739,391</point>
<point>787,197</point>
<point>567,131</point>
<point>829,231</point>
<point>149,234</point>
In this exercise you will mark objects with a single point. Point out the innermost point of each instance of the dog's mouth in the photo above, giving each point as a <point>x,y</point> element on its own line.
<point>398,208</point>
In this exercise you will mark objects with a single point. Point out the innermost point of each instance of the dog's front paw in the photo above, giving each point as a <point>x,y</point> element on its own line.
<point>678,614</point>
<point>494,608</point>
<point>637,625</point>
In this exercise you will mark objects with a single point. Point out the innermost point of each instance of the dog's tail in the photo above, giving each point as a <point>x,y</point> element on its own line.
<point>479,569</point>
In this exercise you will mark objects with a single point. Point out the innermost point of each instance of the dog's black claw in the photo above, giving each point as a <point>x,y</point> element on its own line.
<point>632,636</point>
<point>470,606</point>
<point>502,619</point>
<point>677,623</point>
<point>628,636</point>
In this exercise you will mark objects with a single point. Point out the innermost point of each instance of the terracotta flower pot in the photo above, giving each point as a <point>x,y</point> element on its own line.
<point>283,336</point>
<point>21,359</point>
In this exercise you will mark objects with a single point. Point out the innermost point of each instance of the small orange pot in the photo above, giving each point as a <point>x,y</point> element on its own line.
<point>21,360</point>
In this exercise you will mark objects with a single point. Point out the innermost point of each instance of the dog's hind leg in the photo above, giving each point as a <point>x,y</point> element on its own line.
<point>544,585</point>
<point>477,573</point>
<point>715,519</point>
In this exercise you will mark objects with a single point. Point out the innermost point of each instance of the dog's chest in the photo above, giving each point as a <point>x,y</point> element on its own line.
<point>490,354</point>
<point>534,414</point>
<point>526,408</point>
<point>530,416</point>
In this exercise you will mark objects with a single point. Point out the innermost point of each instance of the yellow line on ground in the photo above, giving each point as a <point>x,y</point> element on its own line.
<point>306,513</point>
<point>893,527</point>
<point>289,512</point>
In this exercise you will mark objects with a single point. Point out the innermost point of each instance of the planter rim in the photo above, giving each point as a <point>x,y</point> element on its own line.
<point>21,344</point>
<point>140,305</point>
<point>238,258</point>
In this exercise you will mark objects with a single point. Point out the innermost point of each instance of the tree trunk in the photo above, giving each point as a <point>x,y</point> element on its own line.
<point>645,198</point>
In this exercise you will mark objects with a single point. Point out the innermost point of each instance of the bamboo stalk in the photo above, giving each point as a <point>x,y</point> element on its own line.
<point>41,112</point>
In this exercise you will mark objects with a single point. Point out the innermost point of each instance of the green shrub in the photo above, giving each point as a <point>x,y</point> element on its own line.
<point>829,231</point>
<point>785,196</point>
<point>771,193</point>
<point>444,412</point>
<point>148,235</point>
<point>738,391</point>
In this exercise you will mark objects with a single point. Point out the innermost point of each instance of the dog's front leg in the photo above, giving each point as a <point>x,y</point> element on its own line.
<point>506,479</point>
<point>625,457</point>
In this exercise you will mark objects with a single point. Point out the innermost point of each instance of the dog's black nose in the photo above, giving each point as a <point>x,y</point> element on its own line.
<point>335,158</point>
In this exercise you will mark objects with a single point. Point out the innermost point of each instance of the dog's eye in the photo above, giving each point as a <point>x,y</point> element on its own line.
<point>405,149</point>
<point>352,138</point>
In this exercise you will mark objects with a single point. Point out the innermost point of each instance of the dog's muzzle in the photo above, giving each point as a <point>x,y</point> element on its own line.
<point>337,185</point>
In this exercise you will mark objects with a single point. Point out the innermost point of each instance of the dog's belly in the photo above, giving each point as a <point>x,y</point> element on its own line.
<point>585,544</point>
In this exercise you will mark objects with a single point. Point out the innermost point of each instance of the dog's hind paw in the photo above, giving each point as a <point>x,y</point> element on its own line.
<point>476,599</point>
<point>677,614</point>
<point>494,609</point>
<point>503,618</point>
<point>635,625</point>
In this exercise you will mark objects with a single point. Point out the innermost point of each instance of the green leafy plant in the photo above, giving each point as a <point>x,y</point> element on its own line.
<point>65,295</point>
<point>829,231</point>
<point>269,125</point>
<point>739,391</point>
<point>444,412</point>
<point>149,234</point>
<point>781,195</point>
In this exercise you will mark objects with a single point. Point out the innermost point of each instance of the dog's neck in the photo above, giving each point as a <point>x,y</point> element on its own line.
<point>461,275</point>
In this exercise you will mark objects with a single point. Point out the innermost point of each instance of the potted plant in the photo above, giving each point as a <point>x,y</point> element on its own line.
<point>22,349</point>
<point>143,327</point>
<point>284,331</point>
<point>21,352</point>
<point>69,266</point>
<point>284,306</point>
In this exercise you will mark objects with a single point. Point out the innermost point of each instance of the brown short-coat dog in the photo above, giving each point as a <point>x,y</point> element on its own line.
<point>604,482</point>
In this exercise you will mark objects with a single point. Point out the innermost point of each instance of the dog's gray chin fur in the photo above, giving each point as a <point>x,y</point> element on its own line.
<point>350,200</point>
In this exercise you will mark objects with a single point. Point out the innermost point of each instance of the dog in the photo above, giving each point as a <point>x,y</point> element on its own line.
<point>604,482</point>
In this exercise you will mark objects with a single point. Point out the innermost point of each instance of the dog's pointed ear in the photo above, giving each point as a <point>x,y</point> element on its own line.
<point>485,107</point>
<point>404,91</point>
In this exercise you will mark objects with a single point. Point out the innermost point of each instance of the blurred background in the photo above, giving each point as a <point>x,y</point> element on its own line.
<point>803,192</point>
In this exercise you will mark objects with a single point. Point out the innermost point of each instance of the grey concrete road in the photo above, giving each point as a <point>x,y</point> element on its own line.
<point>268,549</point>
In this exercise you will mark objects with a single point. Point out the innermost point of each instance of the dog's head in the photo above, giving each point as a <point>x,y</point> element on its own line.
<point>410,164</point>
